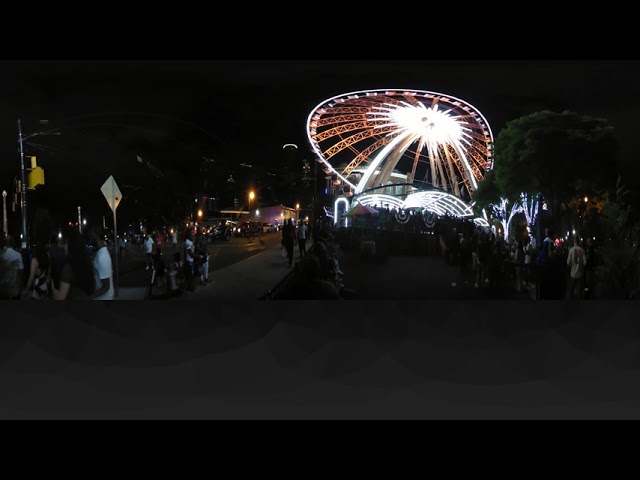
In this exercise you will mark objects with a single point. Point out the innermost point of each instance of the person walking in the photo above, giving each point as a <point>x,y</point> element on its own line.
<point>174,239</point>
<point>576,261</point>
<point>159,242</point>
<point>122,246</point>
<point>527,274</point>
<point>189,268</point>
<point>302,238</point>
<point>57,256</point>
<point>519,265</point>
<point>11,280</point>
<point>77,278</point>
<point>288,239</point>
<point>544,265</point>
<point>148,251</point>
<point>102,266</point>
<point>202,254</point>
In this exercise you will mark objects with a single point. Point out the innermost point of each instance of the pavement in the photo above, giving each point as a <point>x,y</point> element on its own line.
<point>250,278</point>
<point>398,277</point>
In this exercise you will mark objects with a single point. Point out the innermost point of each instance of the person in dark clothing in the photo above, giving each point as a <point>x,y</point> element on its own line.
<point>590,268</point>
<point>302,238</point>
<point>77,277</point>
<point>37,287</point>
<point>310,283</point>
<point>288,239</point>
<point>57,257</point>
<point>545,265</point>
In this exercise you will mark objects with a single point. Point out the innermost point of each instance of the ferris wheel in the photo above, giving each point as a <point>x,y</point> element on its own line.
<point>364,137</point>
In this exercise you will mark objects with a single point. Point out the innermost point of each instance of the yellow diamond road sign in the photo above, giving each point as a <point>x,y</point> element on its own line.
<point>111,192</point>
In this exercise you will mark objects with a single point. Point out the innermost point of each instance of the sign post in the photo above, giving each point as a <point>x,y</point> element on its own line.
<point>113,195</point>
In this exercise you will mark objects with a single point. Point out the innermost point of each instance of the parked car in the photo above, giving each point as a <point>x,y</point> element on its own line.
<point>269,228</point>
<point>221,231</point>
<point>248,228</point>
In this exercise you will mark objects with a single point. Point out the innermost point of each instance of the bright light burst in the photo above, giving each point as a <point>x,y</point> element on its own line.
<point>425,124</point>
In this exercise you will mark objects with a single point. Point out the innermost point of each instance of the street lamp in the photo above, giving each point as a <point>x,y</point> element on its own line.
<point>297,211</point>
<point>251,197</point>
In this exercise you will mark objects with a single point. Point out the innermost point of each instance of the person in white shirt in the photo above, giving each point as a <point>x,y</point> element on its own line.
<point>189,270</point>
<point>11,273</point>
<point>302,238</point>
<point>174,239</point>
<point>148,250</point>
<point>576,260</point>
<point>102,266</point>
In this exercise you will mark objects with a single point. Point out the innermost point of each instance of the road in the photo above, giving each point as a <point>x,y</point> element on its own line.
<point>222,253</point>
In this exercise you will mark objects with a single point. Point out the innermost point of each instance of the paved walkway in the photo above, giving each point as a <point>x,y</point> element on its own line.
<point>397,278</point>
<point>248,279</point>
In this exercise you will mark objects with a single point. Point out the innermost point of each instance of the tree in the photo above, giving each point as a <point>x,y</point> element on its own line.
<point>490,197</point>
<point>618,270</point>
<point>561,155</point>
<point>488,192</point>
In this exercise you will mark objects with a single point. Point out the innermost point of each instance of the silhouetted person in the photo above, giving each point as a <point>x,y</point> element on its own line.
<point>302,234</point>
<point>288,238</point>
<point>13,270</point>
<point>77,276</point>
<point>576,260</point>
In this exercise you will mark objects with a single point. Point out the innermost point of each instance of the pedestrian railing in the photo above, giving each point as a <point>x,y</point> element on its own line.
<point>283,285</point>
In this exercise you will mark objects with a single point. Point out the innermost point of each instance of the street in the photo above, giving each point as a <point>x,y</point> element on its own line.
<point>131,264</point>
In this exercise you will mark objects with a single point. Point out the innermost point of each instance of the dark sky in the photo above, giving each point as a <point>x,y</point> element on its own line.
<point>173,112</point>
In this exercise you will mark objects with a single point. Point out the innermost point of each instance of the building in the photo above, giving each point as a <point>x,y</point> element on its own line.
<point>275,214</point>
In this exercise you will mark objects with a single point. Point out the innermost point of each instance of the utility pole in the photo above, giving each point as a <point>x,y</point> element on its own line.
<point>23,176</point>
<point>5,227</point>
<point>23,196</point>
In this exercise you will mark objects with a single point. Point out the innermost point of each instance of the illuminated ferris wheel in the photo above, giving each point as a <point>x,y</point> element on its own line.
<point>431,139</point>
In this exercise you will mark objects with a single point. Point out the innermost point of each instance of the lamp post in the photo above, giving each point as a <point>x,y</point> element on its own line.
<point>79,219</point>
<point>5,228</point>
<point>251,197</point>
<point>297,212</point>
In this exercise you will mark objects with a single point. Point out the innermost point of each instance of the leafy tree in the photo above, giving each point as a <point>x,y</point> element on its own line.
<point>561,155</point>
<point>618,270</point>
<point>488,192</point>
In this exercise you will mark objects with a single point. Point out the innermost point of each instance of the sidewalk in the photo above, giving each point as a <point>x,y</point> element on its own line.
<point>397,278</point>
<point>131,293</point>
<point>248,279</point>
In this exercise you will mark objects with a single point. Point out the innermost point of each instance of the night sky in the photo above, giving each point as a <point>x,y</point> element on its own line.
<point>174,113</point>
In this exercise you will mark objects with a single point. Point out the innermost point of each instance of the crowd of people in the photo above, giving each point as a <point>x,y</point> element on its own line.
<point>76,268</point>
<point>79,266</point>
<point>177,270</point>
<point>317,274</point>
<point>555,269</point>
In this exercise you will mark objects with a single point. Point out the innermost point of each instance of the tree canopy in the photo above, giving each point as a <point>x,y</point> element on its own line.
<point>561,155</point>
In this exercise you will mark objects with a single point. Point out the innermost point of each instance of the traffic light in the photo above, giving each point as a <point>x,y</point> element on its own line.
<point>36,175</point>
